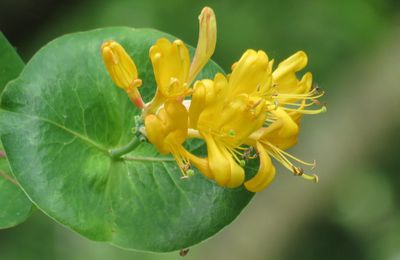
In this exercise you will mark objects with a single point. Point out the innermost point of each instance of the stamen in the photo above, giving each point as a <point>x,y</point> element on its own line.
<point>248,154</point>
<point>297,171</point>
<point>307,112</point>
<point>310,95</point>
<point>313,164</point>
<point>280,156</point>
<point>303,104</point>
<point>182,161</point>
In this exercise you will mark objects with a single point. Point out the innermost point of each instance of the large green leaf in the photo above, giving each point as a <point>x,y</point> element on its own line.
<point>15,206</point>
<point>64,114</point>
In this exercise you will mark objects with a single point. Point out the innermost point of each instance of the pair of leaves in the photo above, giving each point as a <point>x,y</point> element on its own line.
<point>60,118</point>
<point>15,206</point>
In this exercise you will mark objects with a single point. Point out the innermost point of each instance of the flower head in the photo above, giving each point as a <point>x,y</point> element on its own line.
<point>292,99</point>
<point>239,102</point>
<point>167,130</point>
<point>252,112</point>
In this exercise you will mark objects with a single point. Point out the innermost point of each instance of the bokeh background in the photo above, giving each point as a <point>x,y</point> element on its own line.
<point>354,53</point>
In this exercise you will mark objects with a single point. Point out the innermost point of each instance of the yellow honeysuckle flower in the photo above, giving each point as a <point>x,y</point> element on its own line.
<point>167,130</point>
<point>122,70</point>
<point>241,108</point>
<point>291,98</point>
<point>171,62</point>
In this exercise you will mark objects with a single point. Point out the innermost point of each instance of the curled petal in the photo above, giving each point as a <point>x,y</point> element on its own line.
<point>219,164</point>
<point>284,76</point>
<point>177,117</point>
<point>282,133</point>
<point>201,164</point>
<point>206,42</point>
<point>197,104</point>
<point>155,132</point>
<point>265,174</point>
<point>237,174</point>
<point>288,127</point>
<point>294,63</point>
<point>167,129</point>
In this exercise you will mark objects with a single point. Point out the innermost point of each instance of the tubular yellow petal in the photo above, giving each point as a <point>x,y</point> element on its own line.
<point>281,133</point>
<point>220,166</point>
<point>120,66</point>
<point>288,128</point>
<point>206,42</point>
<point>177,119</point>
<point>197,104</point>
<point>155,132</point>
<point>265,174</point>
<point>201,164</point>
<point>237,174</point>
<point>294,63</point>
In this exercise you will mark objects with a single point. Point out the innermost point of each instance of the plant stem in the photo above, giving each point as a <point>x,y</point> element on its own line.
<point>118,152</point>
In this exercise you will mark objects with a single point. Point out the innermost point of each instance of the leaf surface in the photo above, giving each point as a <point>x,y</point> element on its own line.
<point>15,207</point>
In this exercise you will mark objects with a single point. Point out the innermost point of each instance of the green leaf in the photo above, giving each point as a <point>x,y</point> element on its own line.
<point>15,206</point>
<point>10,62</point>
<point>64,114</point>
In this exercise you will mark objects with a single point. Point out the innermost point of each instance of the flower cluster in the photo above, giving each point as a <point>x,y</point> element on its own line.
<point>255,111</point>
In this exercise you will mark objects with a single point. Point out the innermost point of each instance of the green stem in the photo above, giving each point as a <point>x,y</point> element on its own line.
<point>118,152</point>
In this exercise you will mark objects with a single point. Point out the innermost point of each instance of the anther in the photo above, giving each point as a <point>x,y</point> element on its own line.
<point>247,153</point>
<point>298,171</point>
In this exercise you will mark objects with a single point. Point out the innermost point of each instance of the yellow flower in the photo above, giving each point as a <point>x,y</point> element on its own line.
<point>226,111</point>
<point>167,130</point>
<point>122,70</point>
<point>171,62</point>
<point>292,97</point>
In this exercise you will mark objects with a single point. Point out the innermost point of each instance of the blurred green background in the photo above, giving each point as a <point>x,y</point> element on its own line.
<point>354,52</point>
